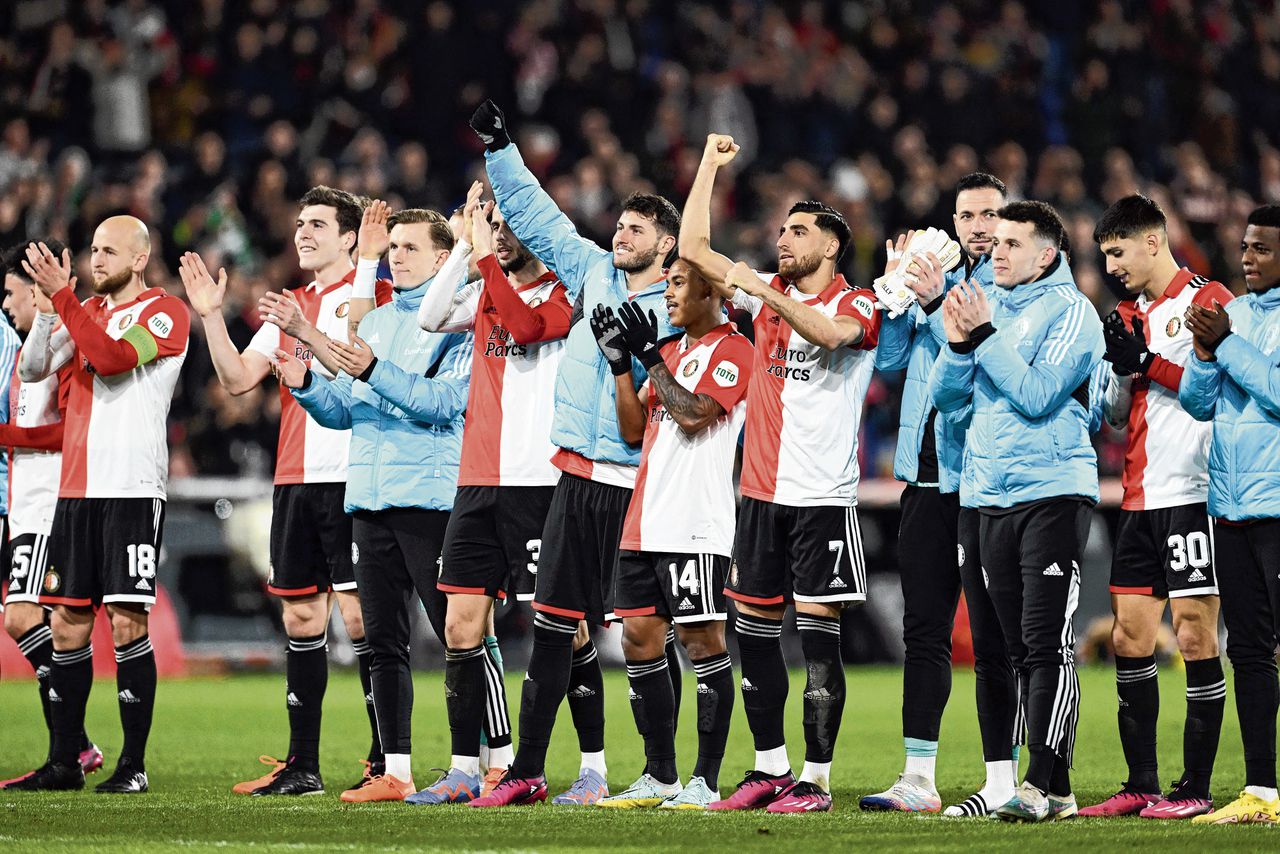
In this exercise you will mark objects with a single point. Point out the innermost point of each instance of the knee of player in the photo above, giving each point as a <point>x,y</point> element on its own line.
<point>127,625</point>
<point>463,633</point>
<point>702,641</point>
<point>354,623</point>
<point>1197,639</point>
<point>18,620</point>
<point>582,637</point>
<point>1128,639</point>
<point>640,643</point>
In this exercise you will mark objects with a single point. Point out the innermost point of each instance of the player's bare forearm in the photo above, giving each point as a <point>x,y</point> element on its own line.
<point>318,343</point>
<point>237,372</point>
<point>357,308</point>
<point>695,227</point>
<point>692,412</point>
<point>829,333</point>
<point>630,409</point>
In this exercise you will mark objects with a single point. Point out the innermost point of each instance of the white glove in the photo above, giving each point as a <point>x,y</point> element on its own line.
<point>894,291</point>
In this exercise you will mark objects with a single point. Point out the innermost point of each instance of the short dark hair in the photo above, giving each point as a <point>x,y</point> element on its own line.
<point>349,209</point>
<point>1267,216</point>
<point>441,234</point>
<point>652,206</point>
<point>1045,222</point>
<point>828,219</point>
<point>981,181</point>
<point>1129,217</point>
<point>12,258</point>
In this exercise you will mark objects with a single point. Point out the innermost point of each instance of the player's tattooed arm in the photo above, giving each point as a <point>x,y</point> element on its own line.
<point>829,333</point>
<point>692,412</point>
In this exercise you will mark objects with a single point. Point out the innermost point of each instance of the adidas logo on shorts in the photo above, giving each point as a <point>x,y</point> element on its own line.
<point>685,605</point>
<point>836,583</point>
<point>142,585</point>
<point>1196,575</point>
<point>1052,569</point>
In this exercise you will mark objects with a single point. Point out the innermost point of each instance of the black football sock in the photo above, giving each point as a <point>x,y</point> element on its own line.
<point>764,679</point>
<point>36,644</point>
<point>544,687</point>
<point>497,719</point>
<point>464,694</point>
<point>1138,686</point>
<point>586,698</point>
<point>306,678</point>
<point>715,712</point>
<point>70,679</point>
<point>1206,698</point>
<point>824,690</point>
<point>1257,701</point>
<point>673,667</point>
<point>136,687</point>
<point>654,709</point>
<point>1060,778</point>
<point>364,658</point>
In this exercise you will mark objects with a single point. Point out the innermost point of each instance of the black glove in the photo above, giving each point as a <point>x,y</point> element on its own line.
<point>1126,351</point>
<point>641,333</point>
<point>490,125</point>
<point>610,340</point>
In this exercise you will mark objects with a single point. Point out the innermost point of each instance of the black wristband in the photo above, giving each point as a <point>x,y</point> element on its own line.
<point>306,381</point>
<point>1213,348</point>
<point>964,348</point>
<point>934,304</point>
<point>620,368</point>
<point>981,333</point>
<point>368,372</point>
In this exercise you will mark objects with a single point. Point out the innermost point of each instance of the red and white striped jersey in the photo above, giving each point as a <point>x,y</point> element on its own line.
<point>1167,454</point>
<point>507,437</point>
<point>308,452</point>
<point>115,442</point>
<point>801,446</point>
<point>683,500</point>
<point>34,474</point>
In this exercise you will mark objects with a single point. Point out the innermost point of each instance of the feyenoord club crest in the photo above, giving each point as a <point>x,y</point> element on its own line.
<point>691,368</point>
<point>125,320</point>
<point>52,581</point>
<point>1172,327</point>
<point>535,302</point>
<point>341,310</point>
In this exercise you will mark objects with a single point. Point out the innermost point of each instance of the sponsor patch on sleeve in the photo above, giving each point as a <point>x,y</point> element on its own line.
<point>725,374</point>
<point>864,306</point>
<point>160,324</point>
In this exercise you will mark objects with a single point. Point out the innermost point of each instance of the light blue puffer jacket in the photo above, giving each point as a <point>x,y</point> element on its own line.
<point>1026,389</point>
<point>1240,394</point>
<point>406,421</point>
<point>585,420</point>
<point>912,341</point>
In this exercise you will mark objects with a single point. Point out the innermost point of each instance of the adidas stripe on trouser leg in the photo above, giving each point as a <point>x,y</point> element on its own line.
<point>1031,557</point>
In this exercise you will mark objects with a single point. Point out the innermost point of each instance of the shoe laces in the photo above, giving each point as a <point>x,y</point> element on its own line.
<point>804,787</point>
<point>1177,791</point>
<point>754,776</point>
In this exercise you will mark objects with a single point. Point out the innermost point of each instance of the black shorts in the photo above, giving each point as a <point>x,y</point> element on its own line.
<point>28,563</point>
<point>805,554</point>
<point>310,540</point>
<point>494,539</point>
<point>104,551</point>
<point>688,588</point>
<point>1166,552</point>
<point>580,549</point>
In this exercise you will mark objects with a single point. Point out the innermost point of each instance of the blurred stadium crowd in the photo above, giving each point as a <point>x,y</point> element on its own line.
<point>209,118</point>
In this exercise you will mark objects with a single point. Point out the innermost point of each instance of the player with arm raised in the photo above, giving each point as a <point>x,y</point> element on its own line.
<point>402,393</point>
<point>34,435</point>
<point>1232,382</point>
<point>935,529</point>
<point>310,533</point>
<point>1164,542</point>
<point>678,537</point>
<point>125,346</point>
<point>598,467</point>
<point>519,313</point>
<point>797,538</point>
<point>1020,362</point>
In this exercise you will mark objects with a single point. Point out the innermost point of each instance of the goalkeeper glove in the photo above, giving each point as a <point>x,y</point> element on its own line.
<point>609,338</point>
<point>491,126</point>
<point>894,290</point>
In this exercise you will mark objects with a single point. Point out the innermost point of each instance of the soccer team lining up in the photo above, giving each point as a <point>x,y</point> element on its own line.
<point>522,413</point>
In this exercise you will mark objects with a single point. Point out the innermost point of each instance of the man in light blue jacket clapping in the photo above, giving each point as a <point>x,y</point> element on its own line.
<point>402,393</point>
<point>1020,364</point>
<point>1233,380</point>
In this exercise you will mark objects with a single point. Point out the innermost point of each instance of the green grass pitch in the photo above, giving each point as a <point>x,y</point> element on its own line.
<point>209,732</point>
